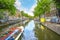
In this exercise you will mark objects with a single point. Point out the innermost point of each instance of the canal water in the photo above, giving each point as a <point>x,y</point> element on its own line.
<point>35,31</point>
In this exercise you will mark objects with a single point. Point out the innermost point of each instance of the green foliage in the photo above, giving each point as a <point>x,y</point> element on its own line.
<point>26,15</point>
<point>8,5</point>
<point>1,13</point>
<point>57,2</point>
<point>42,7</point>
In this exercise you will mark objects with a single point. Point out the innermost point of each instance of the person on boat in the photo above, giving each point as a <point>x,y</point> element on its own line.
<point>12,38</point>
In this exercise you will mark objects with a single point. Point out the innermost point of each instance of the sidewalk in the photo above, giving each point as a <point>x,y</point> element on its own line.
<point>9,23</point>
<point>53,26</point>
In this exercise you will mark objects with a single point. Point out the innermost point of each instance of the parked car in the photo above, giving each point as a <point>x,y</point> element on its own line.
<point>58,21</point>
<point>54,19</point>
<point>3,21</point>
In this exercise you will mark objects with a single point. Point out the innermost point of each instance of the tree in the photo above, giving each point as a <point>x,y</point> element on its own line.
<point>42,7</point>
<point>8,5</point>
<point>26,15</point>
<point>57,2</point>
<point>1,14</point>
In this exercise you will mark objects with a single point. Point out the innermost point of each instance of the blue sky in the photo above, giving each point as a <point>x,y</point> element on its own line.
<point>26,5</point>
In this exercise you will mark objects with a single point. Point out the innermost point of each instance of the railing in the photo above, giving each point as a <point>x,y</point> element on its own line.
<point>15,34</point>
<point>11,36</point>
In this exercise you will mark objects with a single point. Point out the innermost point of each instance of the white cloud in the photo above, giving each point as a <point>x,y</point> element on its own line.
<point>29,11</point>
<point>32,8</point>
<point>17,4</point>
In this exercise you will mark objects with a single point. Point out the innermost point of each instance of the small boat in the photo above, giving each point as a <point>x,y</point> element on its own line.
<point>13,33</point>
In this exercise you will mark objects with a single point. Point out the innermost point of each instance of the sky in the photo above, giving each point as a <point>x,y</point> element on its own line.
<point>26,5</point>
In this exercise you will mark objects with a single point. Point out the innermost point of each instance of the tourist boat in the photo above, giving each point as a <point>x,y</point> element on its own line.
<point>13,34</point>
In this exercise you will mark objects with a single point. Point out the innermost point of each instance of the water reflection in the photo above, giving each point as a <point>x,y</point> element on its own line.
<point>43,33</point>
<point>35,31</point>
<point>29,33</point>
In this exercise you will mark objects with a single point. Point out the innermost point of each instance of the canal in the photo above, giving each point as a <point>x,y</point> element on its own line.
<point>35,31</point>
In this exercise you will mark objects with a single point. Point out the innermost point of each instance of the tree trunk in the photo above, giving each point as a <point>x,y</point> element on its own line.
<point>58,12</point>
<point>39,18</point>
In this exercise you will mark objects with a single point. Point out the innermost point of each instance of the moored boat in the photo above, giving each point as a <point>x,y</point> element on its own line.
<point>13,33</point>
